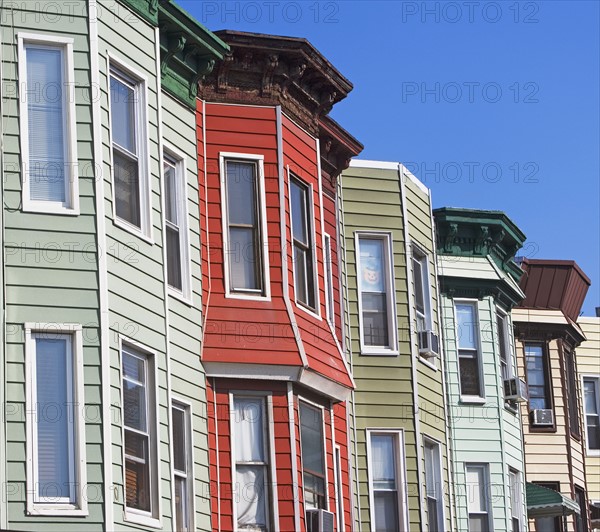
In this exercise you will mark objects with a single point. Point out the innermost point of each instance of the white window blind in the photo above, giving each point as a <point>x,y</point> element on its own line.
<point>477,499</point>
<point>46,111</point>
<point>385,483</point>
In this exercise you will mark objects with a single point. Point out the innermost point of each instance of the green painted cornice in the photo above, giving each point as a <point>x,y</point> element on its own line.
<point>147,9</point>
<point>188,52</point>
<point>479,233</point>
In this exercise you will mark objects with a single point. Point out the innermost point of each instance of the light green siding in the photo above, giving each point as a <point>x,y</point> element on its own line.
<point>51,266</point>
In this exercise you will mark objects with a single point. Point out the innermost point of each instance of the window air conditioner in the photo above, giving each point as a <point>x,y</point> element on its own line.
<point>429,344</point>
<point>515,389</point>
<point>543,417</point>
<point>319,521</point>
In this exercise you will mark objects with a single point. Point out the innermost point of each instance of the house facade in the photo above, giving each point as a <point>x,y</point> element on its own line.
<point>547,339</point>
<point>399,433</point>
<point>588,367</point>
<point>478,288</point>
<point>273,345</point>
<point>105,401</point>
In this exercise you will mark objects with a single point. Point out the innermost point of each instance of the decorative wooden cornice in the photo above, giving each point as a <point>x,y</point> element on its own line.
<point>337,147</point>
<point>271,70</point>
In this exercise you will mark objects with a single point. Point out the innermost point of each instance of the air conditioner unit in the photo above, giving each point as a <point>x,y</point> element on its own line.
<point>429,344</point>
<point>319,521</point>
<point>515,389</point>
<point>542,417</point>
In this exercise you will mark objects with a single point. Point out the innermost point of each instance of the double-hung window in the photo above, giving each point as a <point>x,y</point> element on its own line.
<point>591,401</point>
<point>139,414</point>
<point>245,225</point>
<point>468,350</point>
<point>182,468</point>
<point>537,377</point>
<point>506,369</point>
<point>433,486</point>
<point>128,134</point>
<point>420,273</point>
<point>477,477</point>
<point>516,499</point>
<point>385,481</point>
<point>48,126</point>
<point>376,293</point>
<point>251,453</point>
<point>303,244</point>
<point>313,456</point>
<point>581,522</point>
<point>55,429</point>
<point>176,226</point>
<point>572,395</point>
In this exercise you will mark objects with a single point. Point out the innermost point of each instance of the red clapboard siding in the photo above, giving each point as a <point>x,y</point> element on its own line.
<point>322,353</point>
<point>331,228</point>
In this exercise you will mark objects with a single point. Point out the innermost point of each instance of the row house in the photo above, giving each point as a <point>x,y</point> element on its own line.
<point>479,285</point>
<point>105,402</point>
<point>278,376</point>
<point>588,367</point>
<point>399,432</point>
<point>547,339</point>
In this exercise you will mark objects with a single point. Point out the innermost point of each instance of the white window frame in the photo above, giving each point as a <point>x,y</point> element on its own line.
<point>515,505</point>
<point>71,204</point>
<point>140,83</point>
<point>186,408</point>
<point>271,499</point>
<point>74,333</point>
<point>312,222</point>
<point>339,491</point>
<point>322,409</point>
<point>152,518</point>
<point>179,161</point>
<point>485,488</point>
<point>428,440</point>
<point>596,378</point>
<point>422,257</point>
<point>328,271</point>
<point>259,160</point>
<point>392,349</point>
<point>401,481</point>
<point>481,398</point>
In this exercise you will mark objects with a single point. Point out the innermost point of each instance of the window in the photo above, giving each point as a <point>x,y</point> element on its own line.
<point>385,463</point>
<point>514,480</point>
<point>581,522</point>
<point>329,280</point>
<point>339,494</point>
<point>506,369</point>
<point>128,135</point>
<point>549,524</point>
<point>55,431</point>
<point>182,467</point>
<point>245,221</point>
<point>420,272</point>
<point>249,430</point>
<point>376,300</point>
<point>591,398</point>
<point>572,402</point>
<point>141,482</point>
<point>537,377</point>
<point>176,224</point>
<point>302,236</point>
<point>468,349</point>
<point>313,457</point>
<point>48,126</point>
<point>433,487</point>
<point>477,498</point>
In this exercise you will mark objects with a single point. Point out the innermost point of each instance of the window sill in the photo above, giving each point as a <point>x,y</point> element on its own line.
<point>247,296</point>
<point>183,298</point>
<point>428,364</point>
<point>141,519</point>
<point>49,208</point>
<point>379,352</point>
<point>512,409</point>
<point>57,510</point>
<point>592,452</point>
<point>132,229</point>
<point>308,310</point>
<point>472,399</point>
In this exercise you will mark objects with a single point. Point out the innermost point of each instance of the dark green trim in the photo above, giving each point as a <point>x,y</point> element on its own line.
<point>463,287</point>
<point>147,9</point>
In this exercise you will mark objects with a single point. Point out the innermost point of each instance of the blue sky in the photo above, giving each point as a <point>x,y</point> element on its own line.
<point>493,105</point>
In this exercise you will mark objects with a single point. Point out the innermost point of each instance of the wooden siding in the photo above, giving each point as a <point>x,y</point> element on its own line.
<point>383,397</point>
<point>486,433</point>
<point>588,363</point>
<point>51,267</point>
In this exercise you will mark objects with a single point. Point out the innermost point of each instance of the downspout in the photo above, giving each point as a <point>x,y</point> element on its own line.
<point>449,462</point>
<point>109,493</point>
<point>413,341</point>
